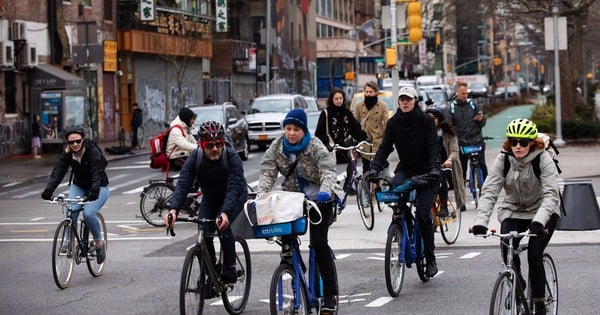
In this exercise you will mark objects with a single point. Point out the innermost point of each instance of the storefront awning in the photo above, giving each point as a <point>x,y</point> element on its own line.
<point>47,76</point>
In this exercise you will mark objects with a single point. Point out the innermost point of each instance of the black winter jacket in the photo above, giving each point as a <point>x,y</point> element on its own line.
<point>137,119</point>
<point>89,174</point>
<point>467,129</point>
<point>342,124</point>
<point>227,188</point>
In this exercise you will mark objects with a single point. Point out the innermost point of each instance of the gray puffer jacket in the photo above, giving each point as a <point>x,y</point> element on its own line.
<point>526,196</point>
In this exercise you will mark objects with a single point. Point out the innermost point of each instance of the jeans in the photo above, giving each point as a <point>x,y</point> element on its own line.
<point>90,209</point>
<point>210,210</point>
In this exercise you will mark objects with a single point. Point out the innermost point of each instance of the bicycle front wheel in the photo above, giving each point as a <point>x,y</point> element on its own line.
<point>394,266</point>
<point>282,293</point>
<point>450,225</point>
<point>551,285</point>
<point>63,261</point>
<point>154,202</point>
<point>502,300</point>
<point>365,204</point>
<point>94,267</point>
<point>235,300</point>
<point>478,183</point>
<point>194,283</point>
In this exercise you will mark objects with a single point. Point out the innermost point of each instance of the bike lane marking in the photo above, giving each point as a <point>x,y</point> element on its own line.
<point>469,255</point>
<point>380,301</point>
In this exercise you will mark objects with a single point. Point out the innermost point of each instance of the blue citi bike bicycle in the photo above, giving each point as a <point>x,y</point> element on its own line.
<point>475,174</point>
<point>404,245</point>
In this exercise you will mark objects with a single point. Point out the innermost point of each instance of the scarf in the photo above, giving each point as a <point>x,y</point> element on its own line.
<point>289,148</point>
<point>370,101</point>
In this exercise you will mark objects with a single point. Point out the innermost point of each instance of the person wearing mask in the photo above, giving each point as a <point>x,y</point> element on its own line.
<point>530,202</point>
<point>469,121</point>
<point>181,142</point>
<point>307,167</point>
<point>449,156</point>
<point>137,119</point>
<point>414,135</point>
<point>337,125</point>
<point>372,115</point>
<point>89,180</point>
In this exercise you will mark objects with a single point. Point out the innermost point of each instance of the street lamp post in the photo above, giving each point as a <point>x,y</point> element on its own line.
<point>584,29</point>
<point>505,62</point>
<point>559,140</point>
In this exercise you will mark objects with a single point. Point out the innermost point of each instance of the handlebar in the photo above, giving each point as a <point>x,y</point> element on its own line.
<point>509,235</point>
<point>408,184</point>
<point>170,226</point>
<point>357,147</point>
<point>61,199</point>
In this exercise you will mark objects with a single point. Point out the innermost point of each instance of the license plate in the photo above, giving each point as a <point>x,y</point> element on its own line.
<point>263,137</point>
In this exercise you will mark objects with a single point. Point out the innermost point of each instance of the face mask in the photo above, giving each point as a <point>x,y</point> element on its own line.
<point>370,101</point>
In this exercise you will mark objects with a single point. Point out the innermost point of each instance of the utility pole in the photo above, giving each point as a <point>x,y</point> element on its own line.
<point>505,62</point>
<point>268,41</point>
<point>393,44</point>
<point>559,140</point>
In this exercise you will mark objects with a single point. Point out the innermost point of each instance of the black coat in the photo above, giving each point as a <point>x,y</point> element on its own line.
<point>137,119</point>
<point>342,125</point>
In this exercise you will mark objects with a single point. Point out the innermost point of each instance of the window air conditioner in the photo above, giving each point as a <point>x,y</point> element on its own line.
<point>18,31</point>
<point>29,58</point>
<point>7,54</point>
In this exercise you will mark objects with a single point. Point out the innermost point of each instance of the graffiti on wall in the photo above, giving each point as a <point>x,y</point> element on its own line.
<point>14,138</point>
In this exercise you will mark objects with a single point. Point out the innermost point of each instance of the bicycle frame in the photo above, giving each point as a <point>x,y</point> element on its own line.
<point>410,243</point>
<point>473,153</point>
<point>355,174</point>
<point>296,262</point>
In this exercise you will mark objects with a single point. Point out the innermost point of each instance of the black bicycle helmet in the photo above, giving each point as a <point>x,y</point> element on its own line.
<point>211,130</point>
<point>437,112</point>
<point>74,129</point>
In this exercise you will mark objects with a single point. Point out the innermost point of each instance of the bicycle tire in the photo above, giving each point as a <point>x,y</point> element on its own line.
<point>450,226</point>
<point>63,261</point>
<point>502,301</point>
<point>154,202</point>
<point>194,279</point>
<point>281,292</point>
<point>374,189</point>
<point>420,259</point>
<point>551,285</point>
<point>365,204</point>
<point>235,300</point>
<point>94,268</point>
<point>478,183</point>
<point>394,265</point>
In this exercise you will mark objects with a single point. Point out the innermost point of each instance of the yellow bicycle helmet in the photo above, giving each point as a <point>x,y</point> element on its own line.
<point>521,128</point>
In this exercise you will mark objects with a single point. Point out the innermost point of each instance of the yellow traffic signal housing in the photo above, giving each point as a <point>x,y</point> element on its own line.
<point>542,69</point>
<point>391,56</point>
<point>438,39</point>
<point>350,76</point>
<point>517,67</point>
<point>497,61</point>
<point>414,23</point>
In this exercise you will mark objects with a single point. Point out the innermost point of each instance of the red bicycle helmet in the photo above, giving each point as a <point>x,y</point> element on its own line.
<point>211,131</point>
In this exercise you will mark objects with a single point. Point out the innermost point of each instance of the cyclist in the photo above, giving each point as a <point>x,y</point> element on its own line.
<point>309,168</point>
<point>449,156</point>
<point>181,142</point>
<point>415,137</point>
<point>469,120</point>
<point>89,180</point>
<point>223,187</point>
<point>529,201</point>
<point>341,129</point>
<point>373,116</point>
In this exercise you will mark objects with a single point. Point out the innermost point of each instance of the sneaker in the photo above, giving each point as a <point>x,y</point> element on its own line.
<point>463,208</point>
<point>443,211</point>
<point>101,253</point>
<point>539,308</point>
<point>229,275</point>
<point>431,268</point>
<point>329,305</point>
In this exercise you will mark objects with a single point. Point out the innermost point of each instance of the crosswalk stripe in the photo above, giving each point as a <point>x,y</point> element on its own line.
<point>127,183</point>
<point>380,301</point>
<point>469,255</point>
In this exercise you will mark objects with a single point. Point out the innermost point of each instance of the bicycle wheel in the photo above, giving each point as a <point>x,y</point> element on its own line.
<point>374,189</point>
<point>282,294</point>
<point>194,283</point>
<point>235,300</point>
<point>502,300</point>
<point>478,183</point>
<point>450,225</point>
<point>394,266</point>
<point>63,261</point>
<point>364,203</point>
<point>94,267</point>
<point>551,285</point>
<point>154,202</point>
<point>420,259</point>
<point>141,139</point>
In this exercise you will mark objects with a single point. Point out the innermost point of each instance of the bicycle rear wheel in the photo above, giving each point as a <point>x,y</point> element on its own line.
<point>420,259</point>
<point>282,293</point>
<point>502,300</point>
<point>94,267</point>
<point>63,261</point>
<point>235,300</point>
<point>194,283</point>
<point>394,266</point>
<point>551,285</point>
<point>450,225</point>
<point>364,203</point>
<point>154,202</point>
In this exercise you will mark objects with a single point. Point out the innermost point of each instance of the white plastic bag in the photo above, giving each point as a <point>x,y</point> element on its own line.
<point>276,207</point>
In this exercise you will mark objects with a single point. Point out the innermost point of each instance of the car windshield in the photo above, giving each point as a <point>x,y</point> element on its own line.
<point>270,106</point>
<point>438,97</point>
<point>386,99</point>
<point>477,85</point>
<point>208,114</point>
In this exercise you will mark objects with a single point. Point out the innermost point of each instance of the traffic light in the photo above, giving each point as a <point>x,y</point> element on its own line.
<point>517,67</point>
<point>414,24</point>
<point>497,61</point>
<point>350,76</point>
<point>391,57</point>
<point>542,69</point>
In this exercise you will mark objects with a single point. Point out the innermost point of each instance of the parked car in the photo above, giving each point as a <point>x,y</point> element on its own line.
<point>478,89</point>
<point>513,92</point>
<point>438,96</point>
<point>267,113</point>
<point>236,126</point>
<point>312,104</point>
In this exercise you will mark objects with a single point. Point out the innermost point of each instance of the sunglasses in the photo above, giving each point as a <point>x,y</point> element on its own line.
<point>522,142</point>
<point>78,141</point>
<point>212,145</point>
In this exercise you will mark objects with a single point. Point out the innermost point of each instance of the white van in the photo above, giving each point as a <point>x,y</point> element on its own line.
<point>428,80</point>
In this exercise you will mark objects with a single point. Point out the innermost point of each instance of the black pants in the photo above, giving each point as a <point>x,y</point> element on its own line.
<point>210,211</point>
<point>323,253</point>
<point>134,138</point>
<point>464,161</point>
<point>535,251</point>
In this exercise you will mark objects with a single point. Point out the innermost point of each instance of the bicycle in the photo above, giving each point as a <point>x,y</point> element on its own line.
<point>364,200</point>
<point>404,244</point>
<point>449,225</point>
<point>200,276</point>
<point>141,139</point>
<point>475,178</point>
<point>508,296</point>
<point>154,200</point>
<point>68,250</point>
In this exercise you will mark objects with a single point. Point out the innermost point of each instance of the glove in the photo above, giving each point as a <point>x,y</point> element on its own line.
<point>418,181</point>
<point>323,196</point>
<point>371,174</point>
<point>536,228</point>
<point>479,230</point>
<point>93,195</point>
<point>47,194</point>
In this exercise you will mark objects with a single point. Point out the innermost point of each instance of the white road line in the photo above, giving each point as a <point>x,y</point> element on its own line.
<point>342,256</point>
<point>127,183</point>
<point>148,238</point>
<point>34,192</point>
<point>380,301</point>
<point>37,219</point>
<point>469,255</point>
<point>133,191</point>
<point>376,258</point>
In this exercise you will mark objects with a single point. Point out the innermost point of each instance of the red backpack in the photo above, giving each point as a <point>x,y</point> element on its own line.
<point>158,145</point>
